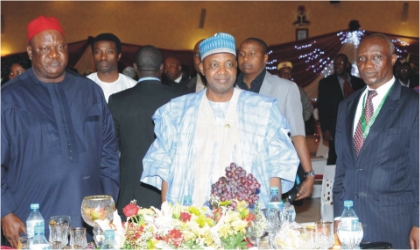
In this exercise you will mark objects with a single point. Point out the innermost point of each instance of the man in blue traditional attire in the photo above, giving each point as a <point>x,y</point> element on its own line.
<point>199,134</point>
<point>58,141</point>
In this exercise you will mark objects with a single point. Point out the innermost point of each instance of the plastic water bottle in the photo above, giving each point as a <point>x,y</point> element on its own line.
<point>35,218</point>
<point>289,212</point>
<point>273,222</point>
<point>187,201</point>
<point>39,242</point>
<point>282,216</point>
<point>349,218</point>
<point>349,231</point>
<point>275,197</point>
<point>109,242</point>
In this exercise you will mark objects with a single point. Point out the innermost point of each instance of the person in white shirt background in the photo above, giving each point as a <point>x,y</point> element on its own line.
<point>106,51</point>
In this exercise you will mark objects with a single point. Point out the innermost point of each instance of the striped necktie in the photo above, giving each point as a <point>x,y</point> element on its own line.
<point>368,111</point>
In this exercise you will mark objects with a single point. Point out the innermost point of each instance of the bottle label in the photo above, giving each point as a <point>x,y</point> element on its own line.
<point>350,222</point>
<point>30,227</point>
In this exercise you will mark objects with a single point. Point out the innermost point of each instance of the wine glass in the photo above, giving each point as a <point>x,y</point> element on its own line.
<point>255,232</point>
<point>324,234</point>
<point>97,207</point>
<point>350,238</point>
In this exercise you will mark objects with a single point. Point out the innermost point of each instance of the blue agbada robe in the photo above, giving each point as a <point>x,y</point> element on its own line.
<point>58,145</point>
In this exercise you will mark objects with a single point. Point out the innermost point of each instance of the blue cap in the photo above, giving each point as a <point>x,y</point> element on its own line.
<point>219,43</point>
<point>34,206</point>
<point>348,203</point>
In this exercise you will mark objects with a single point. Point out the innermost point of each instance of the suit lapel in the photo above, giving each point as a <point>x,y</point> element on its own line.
<point>267,86</point>
<point>387,109</point>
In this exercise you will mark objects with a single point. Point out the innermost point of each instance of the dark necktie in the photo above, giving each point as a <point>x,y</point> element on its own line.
<point>368,111</point>
<point>347,88</point>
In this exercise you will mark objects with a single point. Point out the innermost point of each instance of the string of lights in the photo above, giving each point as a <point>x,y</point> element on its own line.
<point>315,56</point>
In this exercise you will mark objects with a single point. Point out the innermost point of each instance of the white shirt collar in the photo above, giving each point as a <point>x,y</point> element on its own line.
<point>403,84</point>
<point>382,90</point>
<point>178,79</point>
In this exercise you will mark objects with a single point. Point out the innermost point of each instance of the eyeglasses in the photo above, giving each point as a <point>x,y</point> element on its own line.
<point>197,54</point>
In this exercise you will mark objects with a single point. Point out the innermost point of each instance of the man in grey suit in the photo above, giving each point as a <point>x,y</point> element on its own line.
<point>377,144</point>
<point>132,111</point>
<point>252,58</point>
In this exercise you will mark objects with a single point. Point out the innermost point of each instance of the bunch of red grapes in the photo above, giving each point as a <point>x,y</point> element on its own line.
<point>236,185</point>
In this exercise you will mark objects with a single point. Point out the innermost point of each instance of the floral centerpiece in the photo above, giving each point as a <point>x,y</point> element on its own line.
<point>176,226</point>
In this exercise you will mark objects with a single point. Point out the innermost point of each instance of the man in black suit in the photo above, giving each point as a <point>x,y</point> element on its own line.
<point>132,111</point>
<point>173,76</point>
<point>377,141</point>
<point>405,76</point>
<point>331,91</point>
<point>198,82</point>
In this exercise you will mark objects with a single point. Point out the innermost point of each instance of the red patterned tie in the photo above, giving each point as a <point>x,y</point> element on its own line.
<point>358,135</point>
<point>347,88</point>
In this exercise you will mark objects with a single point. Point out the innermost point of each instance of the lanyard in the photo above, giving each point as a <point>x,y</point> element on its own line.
<point>366,127</point>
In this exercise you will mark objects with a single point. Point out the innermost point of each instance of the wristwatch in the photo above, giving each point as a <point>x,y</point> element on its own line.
<point>310,173</point>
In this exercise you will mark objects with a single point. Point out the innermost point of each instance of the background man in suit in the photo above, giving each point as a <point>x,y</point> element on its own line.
<point>198,82</point>
<point>132,111</point>
<point>405,76</point>
<point>377,142</point>
<point>173,74</point>
<point>252,58</point>
<point>331,91</point>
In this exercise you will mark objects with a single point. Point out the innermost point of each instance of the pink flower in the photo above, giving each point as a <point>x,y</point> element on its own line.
<point>185,217</point>
<point>130,210</point>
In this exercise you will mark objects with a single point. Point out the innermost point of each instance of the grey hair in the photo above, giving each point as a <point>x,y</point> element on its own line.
<point>387,40</point>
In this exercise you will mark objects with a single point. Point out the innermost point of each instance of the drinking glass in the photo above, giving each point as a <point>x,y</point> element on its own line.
<point>78,238</point>
<point>324,234</point>
<point>306,238</point>
<point>254,233</point>
<point>350,238</point>
<point>23,242</point>
<point>59,230</point>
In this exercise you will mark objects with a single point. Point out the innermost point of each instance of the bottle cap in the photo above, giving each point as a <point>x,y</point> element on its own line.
<point>34,206</point>
<point>187,198</point>
<point>274,189</point>
<point>109,233</point>
<point>348,203</point>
